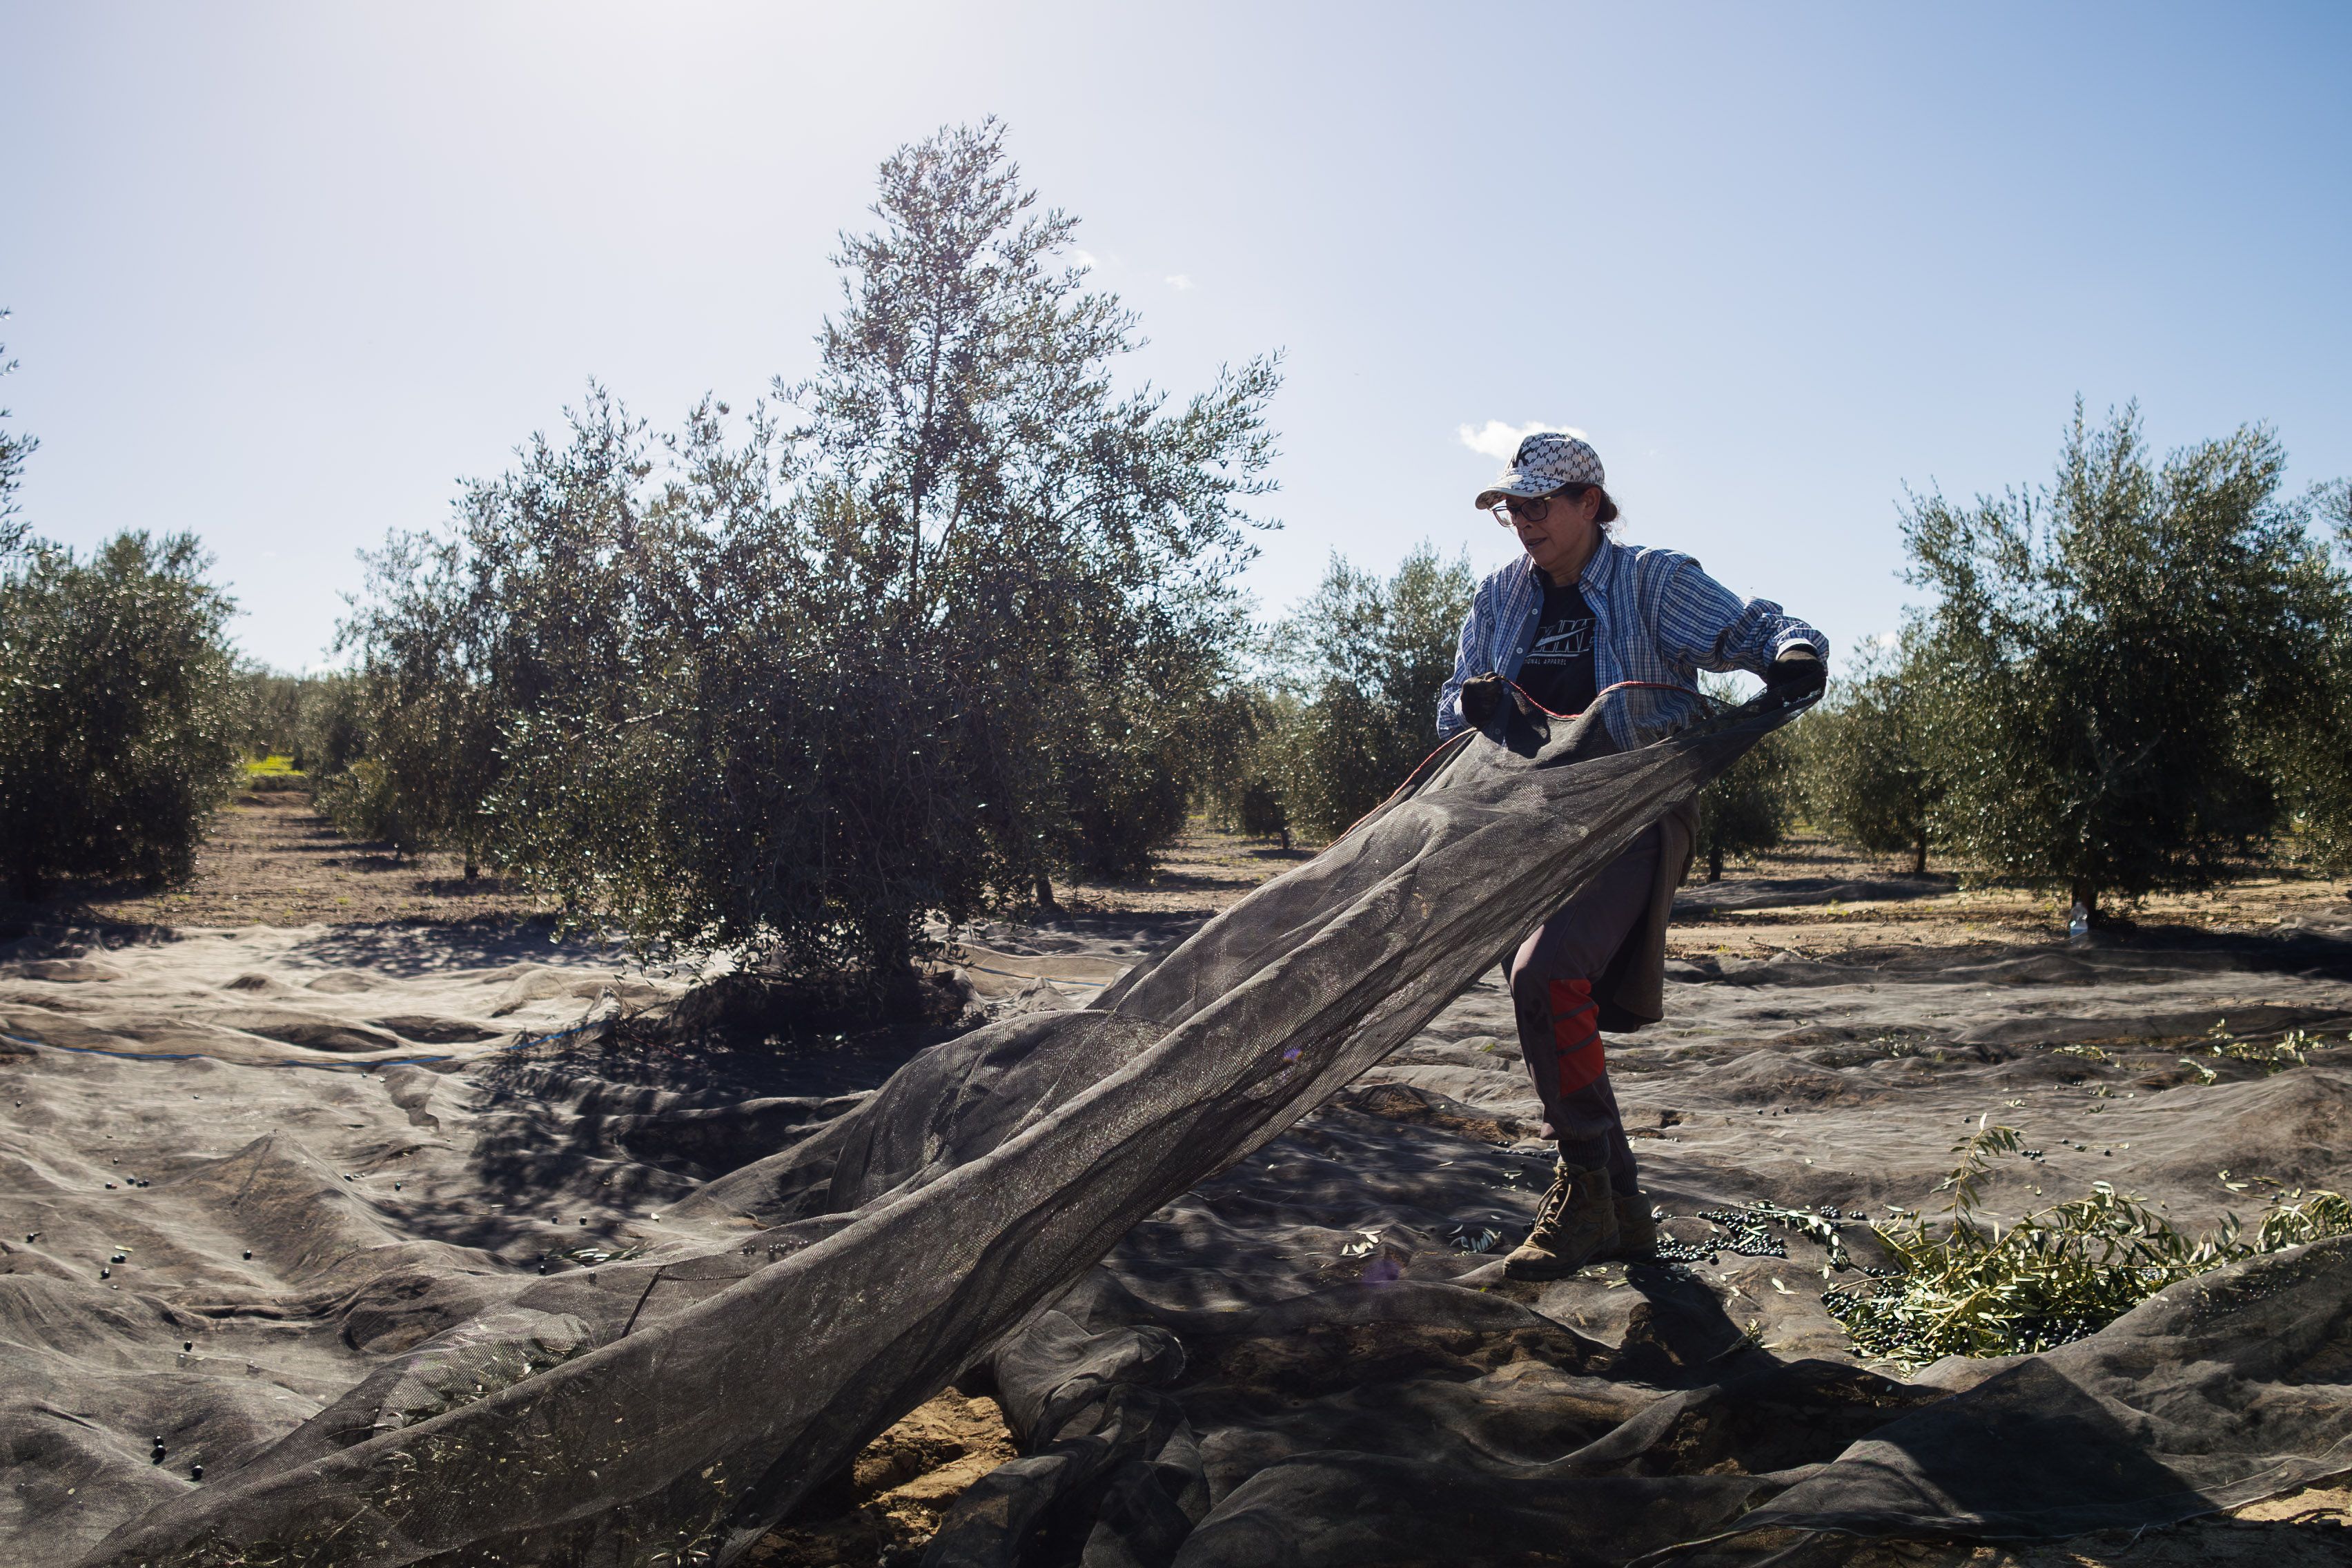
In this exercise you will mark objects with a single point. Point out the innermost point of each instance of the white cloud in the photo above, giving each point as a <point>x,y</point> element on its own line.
<point>1178,282</point>
<point>1497,440</point>
<point>1084,259</point>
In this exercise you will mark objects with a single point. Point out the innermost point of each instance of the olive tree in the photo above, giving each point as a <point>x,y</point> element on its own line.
<point>315,721</point>
<point>118,717</point>
<point>2106,655</point>
<point>1054,555</point>
<point>1247,763</point>
<point>950,614</point>
<point>2313,750</point>
<point>1363,658</point>
<point>431,747</point>
<point>1864,767</point>
<point>1749,807</point>
<point>118,713</point>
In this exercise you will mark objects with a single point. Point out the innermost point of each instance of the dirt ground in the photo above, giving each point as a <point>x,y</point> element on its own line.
<point>273,861</point>
<point>2259,899</point>
<point>899,1490</point>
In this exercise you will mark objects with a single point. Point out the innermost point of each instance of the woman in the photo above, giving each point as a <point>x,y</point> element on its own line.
<point>1575,615</point>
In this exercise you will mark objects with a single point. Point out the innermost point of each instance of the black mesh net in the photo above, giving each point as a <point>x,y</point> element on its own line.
<point>672,1410</point>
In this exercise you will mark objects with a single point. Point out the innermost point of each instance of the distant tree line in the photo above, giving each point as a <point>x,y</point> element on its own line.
<point>2127,682</point>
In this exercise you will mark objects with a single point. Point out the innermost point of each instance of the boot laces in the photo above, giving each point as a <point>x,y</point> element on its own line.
<point>1555,1202</point>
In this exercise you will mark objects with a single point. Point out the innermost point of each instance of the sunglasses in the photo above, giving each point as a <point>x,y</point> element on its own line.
<point>1521,509</point>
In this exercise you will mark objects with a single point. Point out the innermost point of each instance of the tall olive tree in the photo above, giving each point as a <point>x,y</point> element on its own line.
<point>2106,655</point>
<point>432,748</point>
<point>118,710</point>
<point>1044,560</point>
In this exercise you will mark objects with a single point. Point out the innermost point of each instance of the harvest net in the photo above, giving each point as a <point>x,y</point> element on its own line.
<point>674,1410</point>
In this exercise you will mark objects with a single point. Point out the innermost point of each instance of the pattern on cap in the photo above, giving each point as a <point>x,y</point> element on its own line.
<point>1544,462</point>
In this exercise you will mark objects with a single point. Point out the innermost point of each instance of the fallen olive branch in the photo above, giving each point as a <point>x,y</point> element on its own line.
<point>2059,1274</point>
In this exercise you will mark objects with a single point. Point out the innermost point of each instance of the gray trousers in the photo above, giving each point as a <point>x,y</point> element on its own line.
<point>1553,977</point>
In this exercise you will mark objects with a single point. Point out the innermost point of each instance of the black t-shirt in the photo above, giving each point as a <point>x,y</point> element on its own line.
<point>1558,668</point>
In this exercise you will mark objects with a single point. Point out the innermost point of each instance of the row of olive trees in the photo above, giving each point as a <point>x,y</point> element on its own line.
<point>317,722</point>
<point>2126,682</point>
<point>116,702</point>
<point>950,616</point>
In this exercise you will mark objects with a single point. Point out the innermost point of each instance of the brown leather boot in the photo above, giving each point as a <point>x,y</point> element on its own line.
<point>1575,1224</point>
<point>1637,1232</point>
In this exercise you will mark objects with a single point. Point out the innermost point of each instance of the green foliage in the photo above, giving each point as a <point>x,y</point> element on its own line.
<point>313,721</point>
<point>332,731</point>
<point>431,709</point>
<point>1863,759</point>
<point>1968,1288</point>
<point>316,721</point>
<point>1125,779</point>
<point>2293,1050</point>
<point>1362,661</point>
<point>2108,657</point>
<point>1748,807</point>
<point>364,800</point>
<point>117,716</point>
<point>1261,814</point>
<point>1244,764</point>
<point>268,708</point>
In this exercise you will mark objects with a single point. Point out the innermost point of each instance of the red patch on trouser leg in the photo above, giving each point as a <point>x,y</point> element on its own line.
<point>1575,1035</point>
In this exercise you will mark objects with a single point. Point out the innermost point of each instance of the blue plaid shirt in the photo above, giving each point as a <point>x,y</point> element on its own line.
<point>1657,617</point>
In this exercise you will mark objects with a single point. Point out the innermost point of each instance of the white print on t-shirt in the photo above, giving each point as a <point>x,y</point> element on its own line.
<point>1559,642</point>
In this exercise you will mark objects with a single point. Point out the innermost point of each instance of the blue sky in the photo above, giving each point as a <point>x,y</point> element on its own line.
<point>283,275</point>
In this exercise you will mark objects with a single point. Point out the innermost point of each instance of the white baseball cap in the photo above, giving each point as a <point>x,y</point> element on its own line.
<point>1544,462</point>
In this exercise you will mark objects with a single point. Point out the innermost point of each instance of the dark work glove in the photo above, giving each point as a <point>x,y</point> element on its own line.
<point>1796,675</point>
<point>1481,695</point>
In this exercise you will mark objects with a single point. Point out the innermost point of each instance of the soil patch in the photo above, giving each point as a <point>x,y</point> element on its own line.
<point>888,1507</point>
